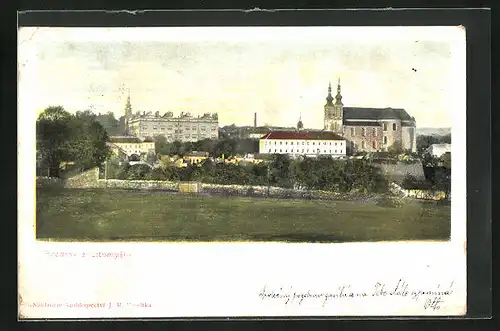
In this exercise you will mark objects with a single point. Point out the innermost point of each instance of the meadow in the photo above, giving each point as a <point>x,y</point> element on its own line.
<point>127,215</point>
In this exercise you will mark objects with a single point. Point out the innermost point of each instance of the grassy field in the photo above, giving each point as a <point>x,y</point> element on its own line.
<point>109,215</point>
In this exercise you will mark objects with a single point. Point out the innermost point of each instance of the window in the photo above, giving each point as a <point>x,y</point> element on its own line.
<point>291,143</point>
<point>393,126</point>
<point>162,129</point>
<point>335,151</point>
<point>385,140</point>
<point>275,142</point>
<point>363,144</point>
<point>331,143</point>
<point>302,143</point>
<point>286,142</point>
<point>291,151</point>
<point>269,150</point>
<point>363,132</point>
<point>313,143</point>
<point>352,132</point>
<point>281,143</point>
<point>385,126</point>
<point>275,150</point>
<point>374,145</point>
<point>302,150</point>
<point>280,150</point>
<point>330,151</point>
<point>375,132</point>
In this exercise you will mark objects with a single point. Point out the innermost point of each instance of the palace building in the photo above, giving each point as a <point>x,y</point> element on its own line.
<point>369,129</point>
<point>184,127</point>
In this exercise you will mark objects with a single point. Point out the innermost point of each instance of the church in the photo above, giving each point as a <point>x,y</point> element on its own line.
<point>370,129</point>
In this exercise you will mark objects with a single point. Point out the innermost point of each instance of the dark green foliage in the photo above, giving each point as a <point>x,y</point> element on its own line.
<point>217,148</point>
<point>139,171</point>
<point>424,142</point>
<point>113,126</point>
<point>63,137</point>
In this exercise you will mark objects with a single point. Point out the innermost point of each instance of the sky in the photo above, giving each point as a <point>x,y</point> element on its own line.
<point>279,73</point>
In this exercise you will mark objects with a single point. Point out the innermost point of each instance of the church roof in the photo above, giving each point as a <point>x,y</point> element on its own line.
<point>358,113</point>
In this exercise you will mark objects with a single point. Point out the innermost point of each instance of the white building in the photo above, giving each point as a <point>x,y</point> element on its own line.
<point>296,143</point>
<point>130,145</point>
<point>438,150</point>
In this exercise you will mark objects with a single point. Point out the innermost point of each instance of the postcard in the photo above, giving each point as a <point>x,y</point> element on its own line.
<point>172,172</point>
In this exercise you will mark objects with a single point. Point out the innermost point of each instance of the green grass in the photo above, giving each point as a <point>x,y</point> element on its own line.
<point>109,215</point>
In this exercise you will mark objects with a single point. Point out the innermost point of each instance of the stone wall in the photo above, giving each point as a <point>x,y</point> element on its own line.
<point>86,179</point>
<point>138,184</point>
<point>43,181</point>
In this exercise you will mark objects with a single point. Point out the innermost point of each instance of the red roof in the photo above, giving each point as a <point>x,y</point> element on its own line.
<point>295,135</point>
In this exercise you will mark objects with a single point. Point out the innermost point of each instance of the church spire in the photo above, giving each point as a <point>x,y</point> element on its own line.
<point>300,125</point>
<point>329,98</point>
<point>338,97</point>
<point>128,114</point>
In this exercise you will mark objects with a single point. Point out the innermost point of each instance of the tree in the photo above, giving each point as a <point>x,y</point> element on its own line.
<point>429,160</point>
<point>139,171</point>
<point>425,141</point>
<point>161,145</point>
<point>63,137</point>
<point>446,160</point>
<point>110,124</point>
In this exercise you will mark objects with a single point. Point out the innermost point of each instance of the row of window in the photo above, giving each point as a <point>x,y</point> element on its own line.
<point>155,128</point>
<point>374,130</point>
<point>304,151</point>
<point>374,144</point>
<point>303,143</point>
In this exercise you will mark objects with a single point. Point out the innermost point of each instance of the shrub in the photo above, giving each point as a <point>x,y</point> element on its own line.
<point>391,200</point>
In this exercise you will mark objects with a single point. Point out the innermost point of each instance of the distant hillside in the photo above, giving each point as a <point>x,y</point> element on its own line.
<point>433,131</point>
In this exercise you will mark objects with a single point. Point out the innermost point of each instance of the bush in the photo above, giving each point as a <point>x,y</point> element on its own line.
<point>391,200</point>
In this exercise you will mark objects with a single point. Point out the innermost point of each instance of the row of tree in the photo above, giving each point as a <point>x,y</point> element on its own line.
<point>303,173</point>
<point>216,148</point>
<point>63,137</point>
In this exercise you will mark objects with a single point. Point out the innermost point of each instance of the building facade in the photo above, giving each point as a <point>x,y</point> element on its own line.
<point>370,129</point>
<point>183,128</point>
<point>297,143</point>
<point>130,145</point>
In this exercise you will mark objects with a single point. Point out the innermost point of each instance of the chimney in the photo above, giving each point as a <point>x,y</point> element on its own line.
<point>255,120</point>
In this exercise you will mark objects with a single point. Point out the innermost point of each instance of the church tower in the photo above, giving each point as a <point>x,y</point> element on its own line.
<point>338,114</point>
<point>128,114</point>
<point>329,110</point>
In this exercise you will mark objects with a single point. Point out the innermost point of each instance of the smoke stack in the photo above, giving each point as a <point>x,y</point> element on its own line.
<point>255,120</point>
